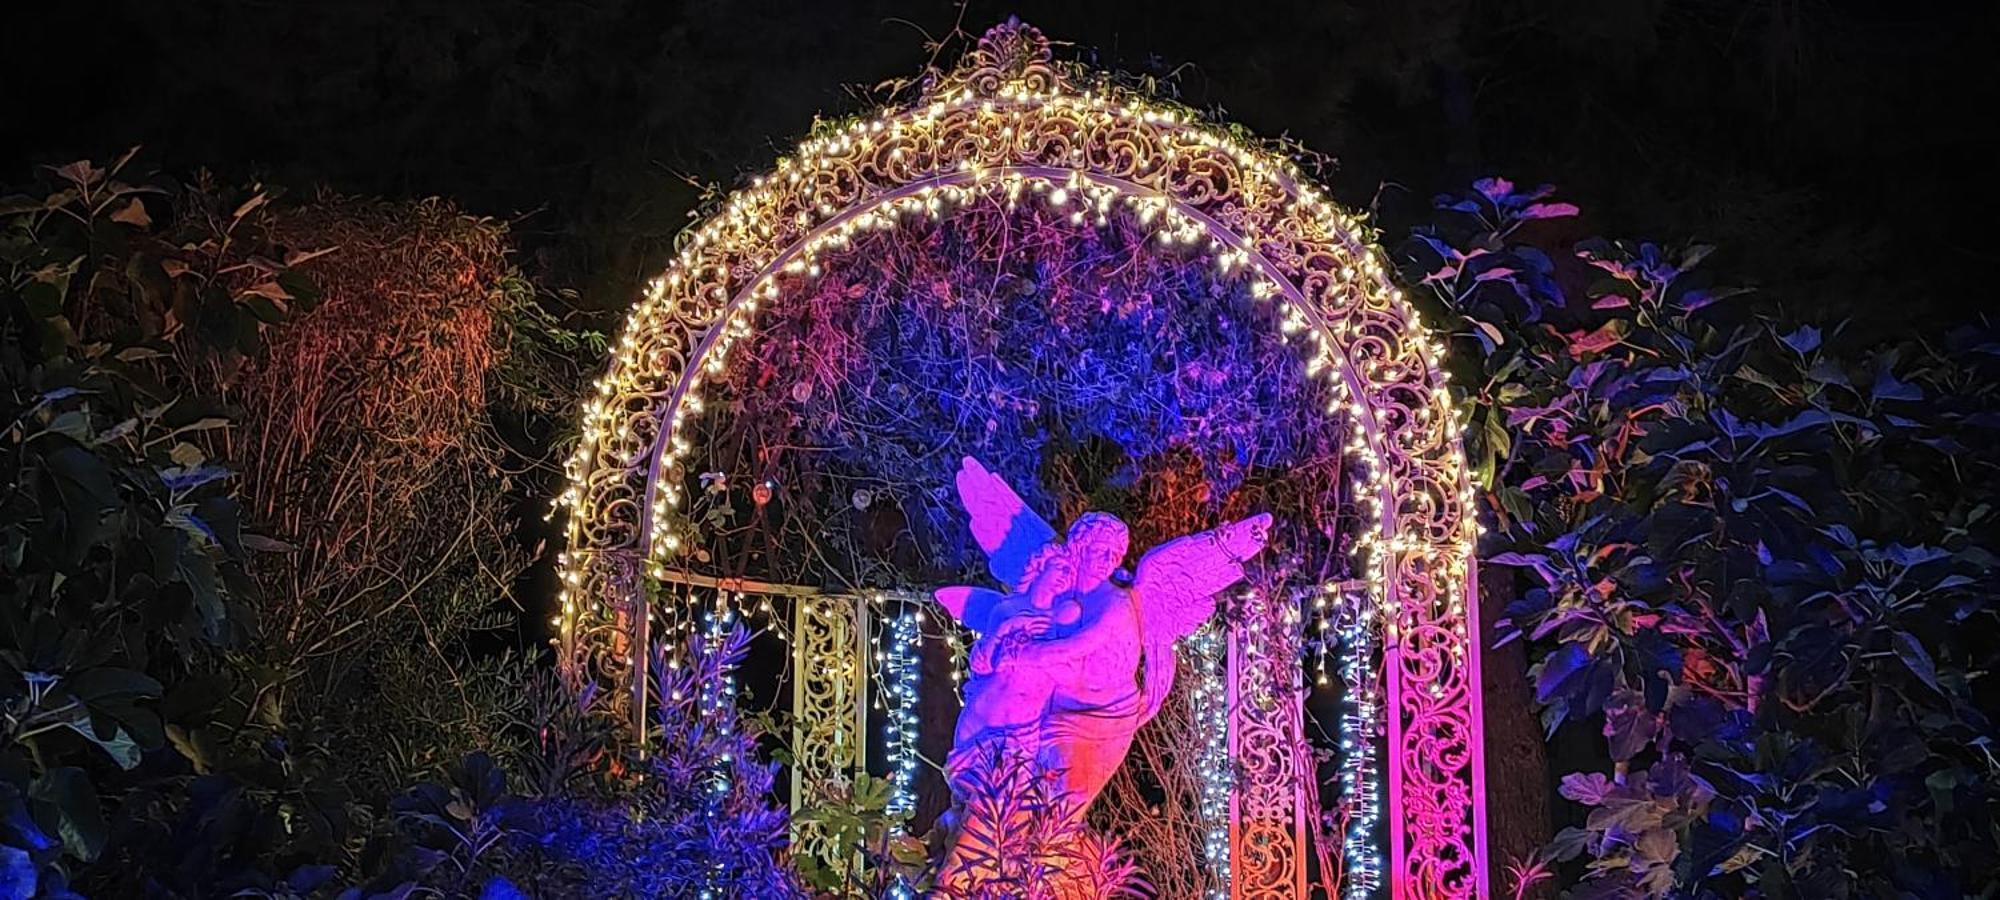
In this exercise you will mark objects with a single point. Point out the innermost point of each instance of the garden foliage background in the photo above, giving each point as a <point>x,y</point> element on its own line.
<point>1757,555</point>
<point>1751,548</point>
<point>264,600</point>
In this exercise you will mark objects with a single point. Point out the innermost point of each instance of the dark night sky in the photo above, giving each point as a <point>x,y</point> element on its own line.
<point>1840,153</point>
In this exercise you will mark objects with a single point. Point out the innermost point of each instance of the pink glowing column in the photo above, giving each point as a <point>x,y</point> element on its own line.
<point>1437,770</point>
<point>1268,808</point>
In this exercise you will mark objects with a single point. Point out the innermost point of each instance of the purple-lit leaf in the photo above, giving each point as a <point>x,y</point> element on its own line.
<point>1916,657</point>
<point>1587,788</point>
<point>1494,189</point>
<point>1888,387</point>
<point>1910,557</point>
<point>1491,336</point>
<point>1558,671</point>
<point>1549,211</point>
<point>1793,499</point>
<point>1702,298</point>
<point>1603,338</point>
<point>1802,341</point>
<point>1628,725</point>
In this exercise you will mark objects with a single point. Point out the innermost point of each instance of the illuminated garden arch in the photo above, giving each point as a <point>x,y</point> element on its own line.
<point>1009,121</point>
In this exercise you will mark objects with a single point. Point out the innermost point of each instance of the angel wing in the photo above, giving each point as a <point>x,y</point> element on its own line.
<point>1002,523</point>
<point>1177,581</point>
<point>974,607</point>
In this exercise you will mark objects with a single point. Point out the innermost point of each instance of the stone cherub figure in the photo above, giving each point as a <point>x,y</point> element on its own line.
<point>1071,656</point>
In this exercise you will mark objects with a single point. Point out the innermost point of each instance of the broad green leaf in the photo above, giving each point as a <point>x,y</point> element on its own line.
<point>66,800</point>
<point>118,744</point>
<point>104,682</point>
<point>73,424</point>
<point>43,300</point>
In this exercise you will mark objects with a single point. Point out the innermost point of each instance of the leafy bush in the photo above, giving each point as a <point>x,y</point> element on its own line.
<point>1023,838</point>
<point>693,817</point>
<point>173,729</point>
<point>866,848</point>
<point>122,549</point>
<point>369,448</point>
<point>1759,560</point>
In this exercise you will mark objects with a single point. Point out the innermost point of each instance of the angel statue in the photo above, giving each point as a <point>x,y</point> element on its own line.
<point>1074,654</point>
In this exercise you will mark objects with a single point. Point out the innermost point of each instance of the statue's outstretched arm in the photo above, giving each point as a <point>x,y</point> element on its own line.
<point>1177,581</point>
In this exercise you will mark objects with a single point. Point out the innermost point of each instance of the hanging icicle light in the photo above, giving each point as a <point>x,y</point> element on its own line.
<point>902,666</point>
<point>717,701</point>
<point>1218,771</point>
<point>1360,724</point>
<point>718,695</point>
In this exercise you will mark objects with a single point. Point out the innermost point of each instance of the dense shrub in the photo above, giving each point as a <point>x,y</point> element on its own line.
<point>694,816</point>
<point>369,448</point>
<point>123,585</point>
<point>216,681</point>
<point>1758,561</point>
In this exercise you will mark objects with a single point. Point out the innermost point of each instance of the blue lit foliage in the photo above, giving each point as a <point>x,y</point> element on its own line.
<point>1758,562</point>
<point>1094,369</point>
<point>695,818</point>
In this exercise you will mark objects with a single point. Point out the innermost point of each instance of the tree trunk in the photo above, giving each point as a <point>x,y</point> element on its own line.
<point>1517,768</point>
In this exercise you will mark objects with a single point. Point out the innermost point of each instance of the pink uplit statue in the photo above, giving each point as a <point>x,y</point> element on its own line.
<point>1072,657</point>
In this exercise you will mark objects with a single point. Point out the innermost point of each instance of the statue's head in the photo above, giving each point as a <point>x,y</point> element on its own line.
<point>1097,544</point>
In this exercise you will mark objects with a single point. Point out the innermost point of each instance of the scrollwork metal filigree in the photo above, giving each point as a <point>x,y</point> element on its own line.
<point>1267,740</point>
<point>829,710</point>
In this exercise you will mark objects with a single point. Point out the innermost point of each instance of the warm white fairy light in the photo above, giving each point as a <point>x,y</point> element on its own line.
<point>1322,637</point>
<point>740,217</point>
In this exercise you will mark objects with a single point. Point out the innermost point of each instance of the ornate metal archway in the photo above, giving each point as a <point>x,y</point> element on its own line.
<point>1010,120</point>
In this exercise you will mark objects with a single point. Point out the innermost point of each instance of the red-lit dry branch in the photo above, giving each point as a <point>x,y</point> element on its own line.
<point>366,444</point>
